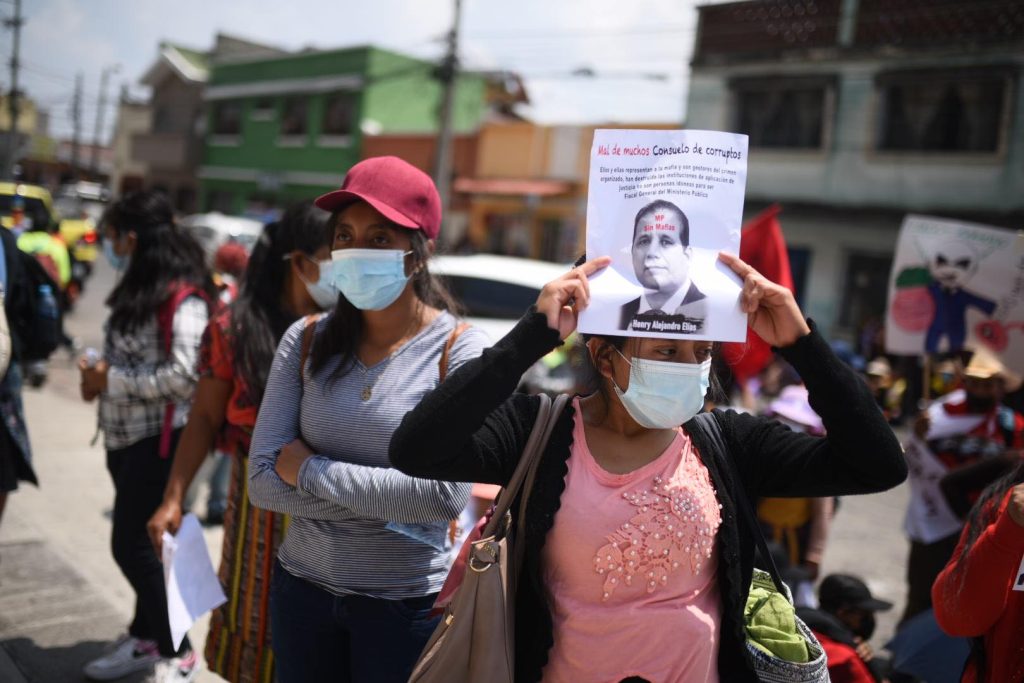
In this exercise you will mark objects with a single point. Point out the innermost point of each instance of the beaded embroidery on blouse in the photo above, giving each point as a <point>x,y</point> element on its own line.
<point>674,523</point>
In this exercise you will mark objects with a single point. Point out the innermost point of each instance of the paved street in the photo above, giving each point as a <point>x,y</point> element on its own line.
<point>62,597</point>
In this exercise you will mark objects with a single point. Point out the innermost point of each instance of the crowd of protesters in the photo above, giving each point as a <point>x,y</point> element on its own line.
<point>356,413</point>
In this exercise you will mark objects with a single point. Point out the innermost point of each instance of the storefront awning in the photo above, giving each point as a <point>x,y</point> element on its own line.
<point>513,186</point>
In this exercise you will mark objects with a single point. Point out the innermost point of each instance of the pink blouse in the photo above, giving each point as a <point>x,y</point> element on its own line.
<point>629,565</point>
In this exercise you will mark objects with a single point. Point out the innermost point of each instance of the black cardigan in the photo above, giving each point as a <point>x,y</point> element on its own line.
<point>473,428</point>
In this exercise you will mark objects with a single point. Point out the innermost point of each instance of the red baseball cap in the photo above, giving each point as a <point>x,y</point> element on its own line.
<point>401,192</point>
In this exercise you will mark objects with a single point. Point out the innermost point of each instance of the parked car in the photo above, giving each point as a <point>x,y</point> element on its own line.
<point>81,206</point>
<point>496,291</point>
<point>77,230</point>
<point>215,229</point>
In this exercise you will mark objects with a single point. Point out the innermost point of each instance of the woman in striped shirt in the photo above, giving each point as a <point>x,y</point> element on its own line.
<point>364,556</point>
<point>283,282</point>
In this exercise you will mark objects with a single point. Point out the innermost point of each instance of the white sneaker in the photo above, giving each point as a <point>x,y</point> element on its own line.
<point>127,655</point>
<point>177,669</point>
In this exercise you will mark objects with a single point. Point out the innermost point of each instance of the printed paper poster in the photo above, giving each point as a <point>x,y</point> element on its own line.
<point>954,286</point>
<point>662,204</point>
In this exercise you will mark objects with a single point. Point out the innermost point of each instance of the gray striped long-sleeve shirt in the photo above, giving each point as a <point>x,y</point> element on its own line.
<point>351,510</point>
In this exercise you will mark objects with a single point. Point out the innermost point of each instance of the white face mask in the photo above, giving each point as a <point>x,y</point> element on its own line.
<point>662,394</point>
<point>322,292</point>
<point>371,279</point>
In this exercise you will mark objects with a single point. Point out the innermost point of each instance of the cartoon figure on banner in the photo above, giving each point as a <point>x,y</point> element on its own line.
<point>995,334</point>
<point>661,262</point>
<point>935,298</point>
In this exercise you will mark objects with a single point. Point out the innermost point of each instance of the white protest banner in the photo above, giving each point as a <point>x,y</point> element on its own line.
<point>929,517</point>
<point>956,285</point>
<point>662,204</point>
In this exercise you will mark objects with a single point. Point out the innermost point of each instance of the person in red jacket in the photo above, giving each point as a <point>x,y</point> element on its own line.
<point>980,593</point>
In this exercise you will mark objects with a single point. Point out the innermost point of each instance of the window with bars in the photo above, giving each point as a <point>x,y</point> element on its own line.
<point>949,111</point>
<point>784,113</point>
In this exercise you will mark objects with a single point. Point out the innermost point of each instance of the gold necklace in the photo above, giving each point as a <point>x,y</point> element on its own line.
<point>367,392</point>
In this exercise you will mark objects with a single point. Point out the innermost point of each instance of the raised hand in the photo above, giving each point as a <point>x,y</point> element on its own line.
<point>562,299</point>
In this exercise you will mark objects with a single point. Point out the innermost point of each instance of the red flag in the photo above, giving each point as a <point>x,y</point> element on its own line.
<point>764,248</point>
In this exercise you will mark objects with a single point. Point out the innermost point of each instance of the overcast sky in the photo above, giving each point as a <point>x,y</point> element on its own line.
<point>542,39</point>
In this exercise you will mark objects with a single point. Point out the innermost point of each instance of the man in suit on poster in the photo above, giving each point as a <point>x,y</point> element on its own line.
<point>670,302</point>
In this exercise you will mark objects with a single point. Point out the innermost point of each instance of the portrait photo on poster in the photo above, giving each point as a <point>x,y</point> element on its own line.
<point>663,204</point>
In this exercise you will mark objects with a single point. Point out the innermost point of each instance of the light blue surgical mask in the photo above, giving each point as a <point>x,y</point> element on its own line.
<point>117,261</point>
<point>371,279</point>
<point>663,395</point>
<point>322,292</point>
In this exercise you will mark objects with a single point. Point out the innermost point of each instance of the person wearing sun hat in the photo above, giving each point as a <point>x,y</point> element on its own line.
<point>967,431</point>
<point>357,574</point>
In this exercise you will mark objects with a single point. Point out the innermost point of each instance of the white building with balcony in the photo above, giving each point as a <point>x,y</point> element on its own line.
<point>858,112</point>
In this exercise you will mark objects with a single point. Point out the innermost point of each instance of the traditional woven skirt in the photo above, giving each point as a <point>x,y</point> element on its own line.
<point>238,644</point>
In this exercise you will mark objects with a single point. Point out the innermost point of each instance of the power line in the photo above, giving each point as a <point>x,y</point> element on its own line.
<point>46,73</point>
<point>587,34</point>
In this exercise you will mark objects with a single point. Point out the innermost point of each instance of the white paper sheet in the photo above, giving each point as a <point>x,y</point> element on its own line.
<point>192,585</point>
<point>665,279</point>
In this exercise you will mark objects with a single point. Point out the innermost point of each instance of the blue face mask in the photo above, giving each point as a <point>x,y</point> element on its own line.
<point>322,292</point>
<point>664,395</point>
<point>372,279</point>
<point>117,261</point>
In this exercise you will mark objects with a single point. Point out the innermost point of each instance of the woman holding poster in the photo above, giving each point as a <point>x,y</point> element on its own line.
<point>638,567</point>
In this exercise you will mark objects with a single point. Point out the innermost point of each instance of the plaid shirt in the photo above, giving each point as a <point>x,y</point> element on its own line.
<point>142,379</point>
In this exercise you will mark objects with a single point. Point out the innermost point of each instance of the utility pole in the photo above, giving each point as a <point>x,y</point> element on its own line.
<point>76,121</point>
<point>447,74</point>
<point>14,23</point>
<point>94,162</point>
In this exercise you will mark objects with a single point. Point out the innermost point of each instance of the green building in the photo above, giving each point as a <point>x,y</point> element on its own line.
<point>288,127</point>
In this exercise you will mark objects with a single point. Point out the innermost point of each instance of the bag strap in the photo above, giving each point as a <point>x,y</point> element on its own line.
<point>165,323</point>
<point>442,365</point>
<point>308,335</point>
<point>708,424</point>
<point>519,551</point>
<point>539,435</point>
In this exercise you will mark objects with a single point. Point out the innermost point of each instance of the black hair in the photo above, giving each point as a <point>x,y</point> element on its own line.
<point>345,326</point>
<point>665,205</point>
<point>165,257</point>
<point>258,319</point>
<point>986,507</point>
<point>593,382</point>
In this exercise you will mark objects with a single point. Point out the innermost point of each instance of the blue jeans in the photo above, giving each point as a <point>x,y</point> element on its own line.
<point>319,636</point>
